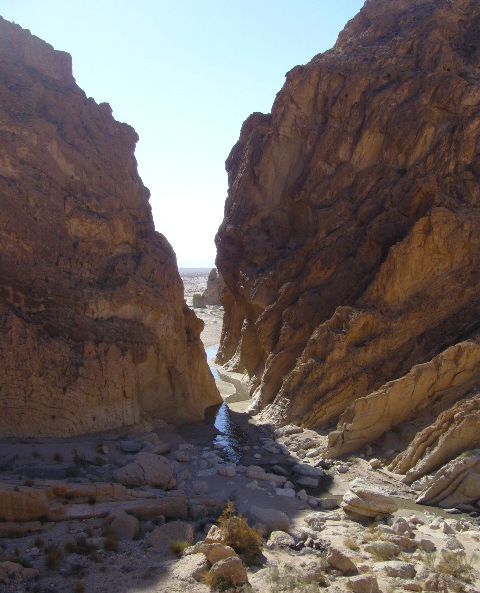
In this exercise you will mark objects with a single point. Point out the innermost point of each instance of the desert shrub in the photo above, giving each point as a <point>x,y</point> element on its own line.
<point>382,551</point>
<point>110,544</point>
<point>290,579</point>
<point>53,557</point>
<point>245,540</point>
<point>39,542</point>
<point>456,565</point>
<point>351,543</point>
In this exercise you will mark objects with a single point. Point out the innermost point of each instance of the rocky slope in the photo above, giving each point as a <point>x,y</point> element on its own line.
<point>350,244</point>
<point>94,329</point>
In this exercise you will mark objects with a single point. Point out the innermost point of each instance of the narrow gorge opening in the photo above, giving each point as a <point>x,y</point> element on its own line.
<point>239,352</point>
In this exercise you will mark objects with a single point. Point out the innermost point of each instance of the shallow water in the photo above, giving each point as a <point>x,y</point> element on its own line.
<point>230,438</point>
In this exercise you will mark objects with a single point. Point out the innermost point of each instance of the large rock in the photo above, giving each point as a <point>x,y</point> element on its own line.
<point>23,504</point>
<point>212,295</point>
<point>427,384</point>
<point>95,333</point>
<point>148,468</point>
<point>170,533</point>
<point>350,245</point>
<point>363,500</point>
<point>458,482</point>
<point>212,551</point>
<point>341,559</point>
<point>455,430</point>
<point>122,526</point>
<point>193,566</point>
<point>229,571</point>
<point>269,519</point>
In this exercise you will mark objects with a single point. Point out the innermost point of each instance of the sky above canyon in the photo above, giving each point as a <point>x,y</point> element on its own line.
<point>185,74</point>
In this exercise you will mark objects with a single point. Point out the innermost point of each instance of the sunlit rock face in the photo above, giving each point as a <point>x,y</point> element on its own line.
<point>94,331</point>
<point>350,245</point>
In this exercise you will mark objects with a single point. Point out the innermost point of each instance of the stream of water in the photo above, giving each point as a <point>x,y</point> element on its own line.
<point>230,438</point>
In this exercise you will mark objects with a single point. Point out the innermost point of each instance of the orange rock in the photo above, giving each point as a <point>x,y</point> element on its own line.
<point>350,246</point>
<point>95,333</point>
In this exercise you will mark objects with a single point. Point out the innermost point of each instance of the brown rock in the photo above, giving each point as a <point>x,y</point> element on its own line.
<point>212,295</point>
<point>363,500</point>
<point>193,566</point>
<point>456,483</point>
<point>215,535</point>
<point>363,584</point>
<point>369,417</point>
<point>336,243</point>
<point>213,551</point>
<point>230,570</point>
<point>350,245</point>
<point>170,533</point>
<point>455,430</point>
<point>198,301</point>
<point>148,468</point>
<point>340,558</point>
<point>23,504</point>
<point>95,333</point>
<point>12,571</point>
<point>122,526</point>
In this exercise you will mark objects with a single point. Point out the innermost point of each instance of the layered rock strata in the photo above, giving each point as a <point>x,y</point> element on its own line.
<point>350,245</point>
<point>94,330</point>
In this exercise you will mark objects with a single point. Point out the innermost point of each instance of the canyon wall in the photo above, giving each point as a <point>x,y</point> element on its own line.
<point>94,330</point>
<point>350,245</point>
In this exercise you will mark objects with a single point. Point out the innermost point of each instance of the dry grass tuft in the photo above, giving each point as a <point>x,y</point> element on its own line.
<point>351,543</point>
<point>179,547</point>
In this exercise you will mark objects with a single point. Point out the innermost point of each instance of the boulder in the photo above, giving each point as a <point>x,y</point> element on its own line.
<point>456,483</point>
<point>14,572</point>
<point>396,568</point>
<point>164,536</point>
<point>213,551</point>
<point>212,295</point>
<point>192,566</point>
<point>363,500</point>
<point>23,504</point>
<point>229,571</point>
<point>341,559</point>
<point>148,468</point>
<point>215,535</point>
<point>280,539</point>
<point>269,519</point>
<point>304,469</point>
<point>363,583</point>
<point>198,301</point>
<point>122,526</point>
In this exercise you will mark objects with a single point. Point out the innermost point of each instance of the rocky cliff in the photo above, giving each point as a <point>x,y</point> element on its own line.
<point>94,331</point>
<point>350,245</point>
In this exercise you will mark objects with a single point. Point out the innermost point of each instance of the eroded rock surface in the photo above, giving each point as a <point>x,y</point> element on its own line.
<point>94,331</point>
<point>350,244</point>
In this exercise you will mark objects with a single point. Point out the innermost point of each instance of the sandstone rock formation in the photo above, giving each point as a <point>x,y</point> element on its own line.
<point>456,483</point>
<point>350,245</point>
<point>362,500</point>
<point>94,331</point>
<point>212,295</point>
<point>215,288</point>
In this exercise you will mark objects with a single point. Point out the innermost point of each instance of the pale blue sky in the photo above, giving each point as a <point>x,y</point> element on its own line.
<point>184,74</point>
